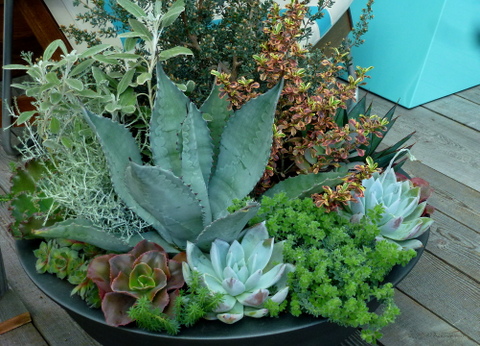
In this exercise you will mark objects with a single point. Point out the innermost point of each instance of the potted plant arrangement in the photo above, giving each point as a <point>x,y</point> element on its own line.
<point>267,209</point>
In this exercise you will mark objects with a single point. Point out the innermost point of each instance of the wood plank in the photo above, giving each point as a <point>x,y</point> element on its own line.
<point>26,335</point>
<point>458,109</point>
<point>472,94</point>
<point>13,313</point>
<point>440,143</point>
<point>355,340</point>
<point>5,171</point>
<point>455,244</point>
<point>55,325</point>
<point>418,326</point>
<point>457,200</point>
<point>446,292</point>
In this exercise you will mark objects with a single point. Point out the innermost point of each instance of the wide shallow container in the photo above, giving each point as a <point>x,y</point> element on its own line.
<point>285,330</point>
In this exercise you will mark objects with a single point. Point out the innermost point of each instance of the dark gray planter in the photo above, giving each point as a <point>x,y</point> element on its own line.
<point>285,330</point>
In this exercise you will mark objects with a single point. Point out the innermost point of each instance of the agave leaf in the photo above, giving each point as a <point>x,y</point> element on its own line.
<point>228,228</point>
<point>171,108</point>
<point>244,151</point>
<point>217,108</point>
<point>168,199</point>
<point>155,237</point>
<point>304,185</point>
<point>394,148</point>
<point>357,110</point>
<point>197,158</point>
<point>85,231</point>
<point>120,149</point>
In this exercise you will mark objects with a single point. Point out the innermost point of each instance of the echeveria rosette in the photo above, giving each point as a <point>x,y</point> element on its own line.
<point>124,278</point>
<point>244,272</point>
<point>401,220</point>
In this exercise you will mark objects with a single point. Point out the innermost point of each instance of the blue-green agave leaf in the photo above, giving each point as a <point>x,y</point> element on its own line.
<point>85,231</point>
<point>168,199</point>
<point>244,151</point>
<point>217,109</point>
<point>228,228</point>
<point>197,158</point>
<point>171,108</point>
<point>304,185</point>
<point>120,149</point>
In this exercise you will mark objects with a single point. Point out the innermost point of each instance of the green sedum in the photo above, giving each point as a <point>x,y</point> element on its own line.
<point>339,266</point>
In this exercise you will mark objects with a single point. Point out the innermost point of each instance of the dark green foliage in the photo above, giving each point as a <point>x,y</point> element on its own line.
<point>27,202</point>
<point>152,319</point>
<point>69,260</point>
<point>190,305</point>
<point>381,157</point>
<point>339,266</point>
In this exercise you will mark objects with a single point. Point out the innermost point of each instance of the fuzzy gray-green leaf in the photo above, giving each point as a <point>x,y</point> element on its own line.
<point>244,151</point>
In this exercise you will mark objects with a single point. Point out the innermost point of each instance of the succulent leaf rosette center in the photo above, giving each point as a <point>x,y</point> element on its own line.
<point>145,271</point>
<point>402,218</point>
<point>246,273</point>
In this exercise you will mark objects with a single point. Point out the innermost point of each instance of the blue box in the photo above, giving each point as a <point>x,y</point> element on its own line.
<point>421,50</point>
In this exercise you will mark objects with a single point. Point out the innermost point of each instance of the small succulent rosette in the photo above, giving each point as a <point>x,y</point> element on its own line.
<point>247,273</point>
<point>124,278</point>
<point>401,220</point>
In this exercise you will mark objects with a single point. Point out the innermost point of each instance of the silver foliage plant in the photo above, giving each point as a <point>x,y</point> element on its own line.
<point>248,273</point>
<point>401,220</point>
<point>103,79</point>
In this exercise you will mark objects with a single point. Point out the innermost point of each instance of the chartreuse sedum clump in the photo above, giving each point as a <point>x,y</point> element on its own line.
<point>401,219</point>
<point>202,160</point>
<point>339,265</point>
<point>248,273</point>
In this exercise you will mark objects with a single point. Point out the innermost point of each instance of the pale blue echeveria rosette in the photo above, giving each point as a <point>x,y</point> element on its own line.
<point>247,273</point>
<point>401,220</point>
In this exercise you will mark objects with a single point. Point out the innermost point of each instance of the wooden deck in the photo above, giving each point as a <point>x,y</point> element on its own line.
<point>440,299</point>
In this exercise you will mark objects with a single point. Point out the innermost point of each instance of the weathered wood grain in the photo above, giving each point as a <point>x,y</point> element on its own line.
<point>418,326</point>
<point>26,335</point>
<point>457,200</point>
<point>446,292</point>
<point>449,147</point>
<point>13,313</point>
<point>5,171</point>
<point>355,340</point>
<point>456,244</point>
<point>472,94</point>
<point>458,109</point>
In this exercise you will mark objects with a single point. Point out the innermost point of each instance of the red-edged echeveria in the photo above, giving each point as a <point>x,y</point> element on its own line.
<point>144,271</point>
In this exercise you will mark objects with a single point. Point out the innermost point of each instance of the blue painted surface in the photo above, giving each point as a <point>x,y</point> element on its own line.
<point>421,50</point>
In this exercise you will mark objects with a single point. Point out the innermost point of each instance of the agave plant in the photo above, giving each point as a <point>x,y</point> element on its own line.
<point>203,159</point>
<point>144,271</point>
<point>244,272</point>
<point>401,220</point>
